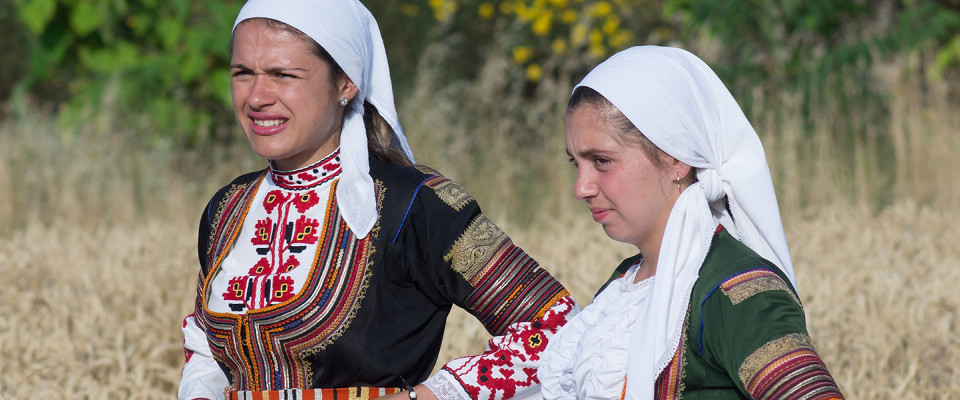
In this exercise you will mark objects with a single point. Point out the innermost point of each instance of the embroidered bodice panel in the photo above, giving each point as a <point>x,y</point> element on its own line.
<point>275,248</point>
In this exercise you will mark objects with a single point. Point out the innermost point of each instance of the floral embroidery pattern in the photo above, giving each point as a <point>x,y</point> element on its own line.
<point>510,365</point>
<point>281,236</point>
<point>319,309</point>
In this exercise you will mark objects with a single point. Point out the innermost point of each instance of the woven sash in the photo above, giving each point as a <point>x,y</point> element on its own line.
<point>351,393</point>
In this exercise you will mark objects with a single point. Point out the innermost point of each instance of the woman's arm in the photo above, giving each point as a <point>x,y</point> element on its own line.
<point>507,368</point>
<point>754,327</point>
<point>471,262</point>
<point>201,377</point>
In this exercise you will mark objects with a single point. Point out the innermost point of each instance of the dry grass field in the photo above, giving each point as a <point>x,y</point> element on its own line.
<point>97,246</point>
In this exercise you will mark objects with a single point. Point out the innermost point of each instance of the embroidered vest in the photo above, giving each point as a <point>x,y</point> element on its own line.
<point>272,347</point>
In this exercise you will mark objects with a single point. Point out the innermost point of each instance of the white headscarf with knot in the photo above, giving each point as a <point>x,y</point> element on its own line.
<point>346,30</point>
<point>681,105</point>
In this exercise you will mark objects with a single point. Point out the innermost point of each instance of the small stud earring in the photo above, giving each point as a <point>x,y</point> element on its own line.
<point>344,101</point>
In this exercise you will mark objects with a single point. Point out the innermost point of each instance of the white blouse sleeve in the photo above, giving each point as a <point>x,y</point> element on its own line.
<point>201,377</point>
<point>508,367</point>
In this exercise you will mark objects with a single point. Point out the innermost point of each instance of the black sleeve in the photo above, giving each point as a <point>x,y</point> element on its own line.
<point>455,254</point>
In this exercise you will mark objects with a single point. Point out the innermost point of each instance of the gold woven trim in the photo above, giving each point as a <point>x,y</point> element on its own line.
<point>472,251</point>
<point>451,193</point>
<point>742,291</point>
<point>770,352</point>
<point>681,386</point>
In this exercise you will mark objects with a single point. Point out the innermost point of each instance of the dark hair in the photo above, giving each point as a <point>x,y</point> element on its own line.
<point>379,132</point>
<point>626,131</point>
<point>380,136</point>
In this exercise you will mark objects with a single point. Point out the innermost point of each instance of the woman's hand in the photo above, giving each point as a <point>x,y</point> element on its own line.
<point>422,394</point>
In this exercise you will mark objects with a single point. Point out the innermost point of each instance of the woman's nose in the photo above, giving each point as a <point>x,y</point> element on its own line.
<point>584,187</point>
<point>261,94</point>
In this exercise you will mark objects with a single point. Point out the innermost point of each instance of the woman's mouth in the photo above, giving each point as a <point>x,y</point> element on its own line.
<point>599,213</point>
<point>267,127</point>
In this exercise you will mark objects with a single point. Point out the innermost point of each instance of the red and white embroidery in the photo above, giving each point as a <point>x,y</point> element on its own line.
<point>310,177</point>
<point>510,364</point>
<point>285,229</point>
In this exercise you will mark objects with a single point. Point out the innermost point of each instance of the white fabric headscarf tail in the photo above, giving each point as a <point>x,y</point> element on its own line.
<point>681,105</point>
<point>346,30</point>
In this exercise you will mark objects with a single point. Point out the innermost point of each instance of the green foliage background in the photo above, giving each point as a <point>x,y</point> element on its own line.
<point>164,62</point>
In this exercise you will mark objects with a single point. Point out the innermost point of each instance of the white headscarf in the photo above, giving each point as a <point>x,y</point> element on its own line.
<point>681,105</point>
<point>346,30</point>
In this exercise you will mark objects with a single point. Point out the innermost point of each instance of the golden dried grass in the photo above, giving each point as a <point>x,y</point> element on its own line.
<point>98,259</point>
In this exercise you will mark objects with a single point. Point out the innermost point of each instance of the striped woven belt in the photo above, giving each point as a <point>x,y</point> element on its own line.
<point>351,393</point>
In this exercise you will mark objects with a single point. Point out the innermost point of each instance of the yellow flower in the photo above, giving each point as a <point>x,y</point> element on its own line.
<point>559,46</point>
<point>620,39</point>
<point>506,8</point>
<point>596,36</point>
<point>568,16</point>
<point>558,3</point>
<point>597,50</point>
<point>523,12</point>
<point>521,54</point>
<point>602,9</point>
<point>446,10</point>
<point>578,35</point>
<point>541,26</point>
<point>611,24</point>
<point>534,73</point>
<point>485,10</point>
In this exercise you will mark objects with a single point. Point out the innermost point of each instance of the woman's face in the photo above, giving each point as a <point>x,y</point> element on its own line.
<point>629,195</point>
<point>284,97</point>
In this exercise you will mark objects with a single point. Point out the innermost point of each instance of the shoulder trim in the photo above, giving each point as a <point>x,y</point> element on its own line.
<point>744,285</point>
<point>450,192</point>
<point>751,282</point>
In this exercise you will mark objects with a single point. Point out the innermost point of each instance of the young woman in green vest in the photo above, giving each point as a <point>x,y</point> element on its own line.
<point>667,161</point>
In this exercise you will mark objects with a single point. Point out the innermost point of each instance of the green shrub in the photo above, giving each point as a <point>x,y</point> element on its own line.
<point>168,57</point>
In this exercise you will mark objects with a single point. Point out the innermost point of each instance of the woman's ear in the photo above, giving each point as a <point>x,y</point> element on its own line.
<point>681,169</point>
<point>346,88</point>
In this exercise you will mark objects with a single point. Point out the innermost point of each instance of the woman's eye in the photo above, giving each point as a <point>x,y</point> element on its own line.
<point>600,161</point>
